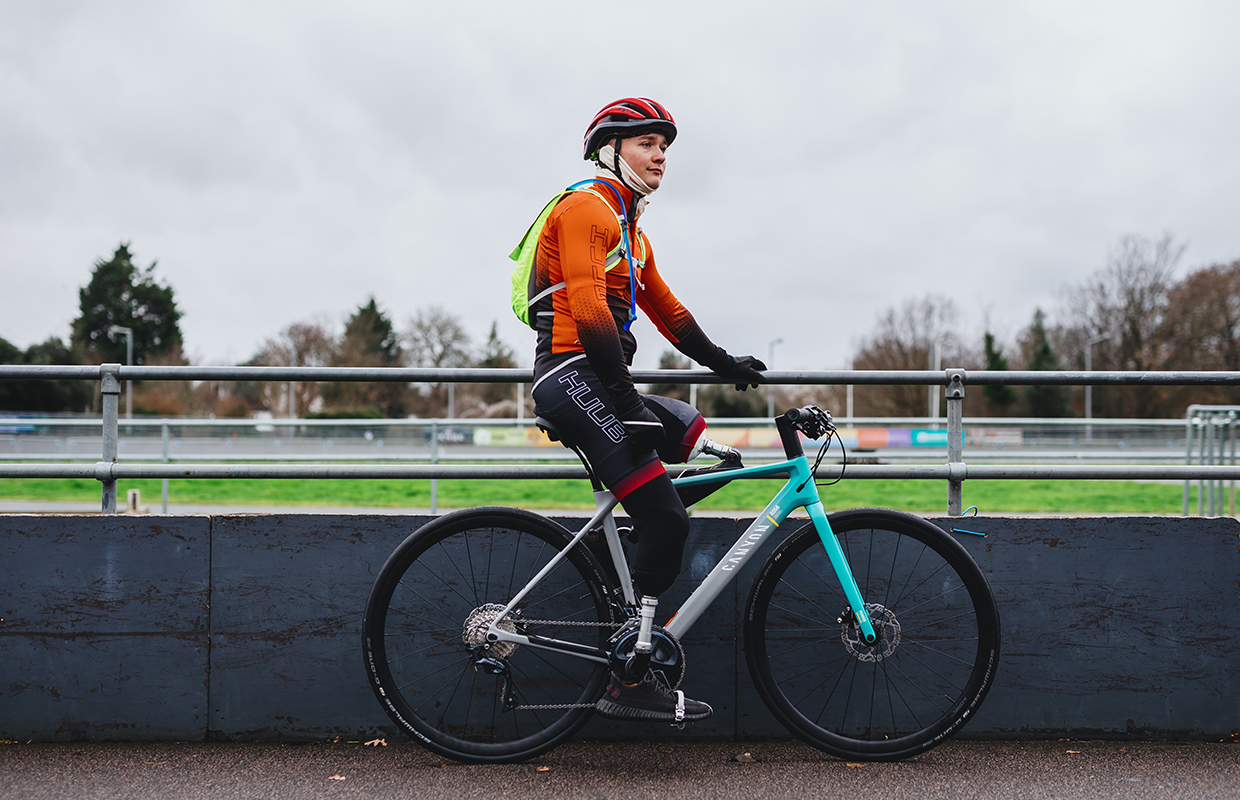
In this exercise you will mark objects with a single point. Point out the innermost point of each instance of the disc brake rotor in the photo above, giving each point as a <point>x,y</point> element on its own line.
<point>885,625</point>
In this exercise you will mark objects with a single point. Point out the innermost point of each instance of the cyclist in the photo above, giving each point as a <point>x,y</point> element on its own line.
<point>593,268</point>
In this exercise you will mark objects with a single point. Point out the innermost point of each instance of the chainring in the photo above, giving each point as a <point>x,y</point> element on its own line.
<point>667,659</point>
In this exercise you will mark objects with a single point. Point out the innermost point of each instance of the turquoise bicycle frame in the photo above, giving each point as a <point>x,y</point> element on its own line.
<point>799,492</point>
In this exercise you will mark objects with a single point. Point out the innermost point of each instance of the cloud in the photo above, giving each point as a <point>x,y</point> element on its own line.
<point>286,160</point>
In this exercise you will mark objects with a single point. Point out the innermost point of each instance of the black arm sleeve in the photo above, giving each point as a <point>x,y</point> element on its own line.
<point>696,345</point>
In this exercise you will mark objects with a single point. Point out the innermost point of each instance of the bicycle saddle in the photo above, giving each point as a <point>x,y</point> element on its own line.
<point>552,432</point>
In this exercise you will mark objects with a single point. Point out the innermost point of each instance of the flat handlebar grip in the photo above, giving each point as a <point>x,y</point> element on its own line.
<point>795,414</point>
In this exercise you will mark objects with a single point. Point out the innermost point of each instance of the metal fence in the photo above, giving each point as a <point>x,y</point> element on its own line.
<point>1210,435</point>
<point>108,469</point>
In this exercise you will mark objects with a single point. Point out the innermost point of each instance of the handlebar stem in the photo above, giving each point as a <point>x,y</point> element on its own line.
<point>788,435</point>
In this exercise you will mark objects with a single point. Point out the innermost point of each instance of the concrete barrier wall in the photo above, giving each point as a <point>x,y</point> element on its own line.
<point>239,627</point>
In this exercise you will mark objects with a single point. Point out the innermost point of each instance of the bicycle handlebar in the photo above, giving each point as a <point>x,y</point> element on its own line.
<point>810,420</point>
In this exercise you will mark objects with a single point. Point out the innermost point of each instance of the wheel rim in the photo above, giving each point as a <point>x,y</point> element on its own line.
<point>430,601</point>
<point>928,669</point>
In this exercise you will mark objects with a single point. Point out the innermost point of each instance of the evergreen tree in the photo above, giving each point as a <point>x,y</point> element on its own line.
<point>12,393</point>
<point>1044,401</point>
<point>9,352</point>
<point>119,293</point>
<point>370,336</point>
<point>496,355</point>
<point>370,340</point>
<point>43,396</point>
<point>999,397</point>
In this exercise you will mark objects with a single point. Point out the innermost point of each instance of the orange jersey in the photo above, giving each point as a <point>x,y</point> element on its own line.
<point>588,314</point>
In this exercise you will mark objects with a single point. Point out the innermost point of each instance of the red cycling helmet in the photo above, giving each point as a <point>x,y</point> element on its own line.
<point>628,117</point>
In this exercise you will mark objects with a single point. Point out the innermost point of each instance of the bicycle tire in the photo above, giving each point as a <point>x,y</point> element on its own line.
<point>422,670</point>
<point>932,666</point>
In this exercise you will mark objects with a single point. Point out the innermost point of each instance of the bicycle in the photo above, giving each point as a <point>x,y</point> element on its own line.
<point>871,634</point>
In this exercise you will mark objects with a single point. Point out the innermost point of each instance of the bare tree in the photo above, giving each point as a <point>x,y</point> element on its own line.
<point>1127,301</point>
<point>1202,329</point>
<point>178,398</point>
<point>302,344</point>
<point>906,339</point>
<point>436,338</point>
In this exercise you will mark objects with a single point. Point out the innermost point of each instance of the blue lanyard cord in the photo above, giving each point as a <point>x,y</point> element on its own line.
<point>624,242</point>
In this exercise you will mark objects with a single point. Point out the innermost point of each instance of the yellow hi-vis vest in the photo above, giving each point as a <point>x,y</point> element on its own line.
<point>523,254</point>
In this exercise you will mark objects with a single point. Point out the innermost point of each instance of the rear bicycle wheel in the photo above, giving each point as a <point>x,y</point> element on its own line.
<point>424,631</point>
<point>931,667</point>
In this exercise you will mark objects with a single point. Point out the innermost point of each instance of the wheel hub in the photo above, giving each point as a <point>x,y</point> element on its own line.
<point>885,625</point>
<point>479,622</point>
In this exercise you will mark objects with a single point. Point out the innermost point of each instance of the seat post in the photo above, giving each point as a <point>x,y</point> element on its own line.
<point>548,427</point>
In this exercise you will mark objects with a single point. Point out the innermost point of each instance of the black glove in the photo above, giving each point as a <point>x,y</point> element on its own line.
<point>745,369</point>
<point>645,431</point>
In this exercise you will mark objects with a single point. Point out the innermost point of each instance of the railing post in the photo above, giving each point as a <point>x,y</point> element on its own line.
<point>1231,433</point>
<point>163,488</point>
<point>1201,461</point>
<point>434,460</point>
<point>110,392</point>
<point>1188,453</point>
<point>1207,455</point>
<point>955,439</point>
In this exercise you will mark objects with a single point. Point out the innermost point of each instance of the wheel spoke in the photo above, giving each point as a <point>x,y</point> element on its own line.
<point>438,689</point>
<point>438,576</point>
<point>893,698</point>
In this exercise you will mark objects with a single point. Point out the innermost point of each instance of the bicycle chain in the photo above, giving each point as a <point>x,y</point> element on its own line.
<point>551,706</point>
<point>570,622</point>
<point>558,706</point>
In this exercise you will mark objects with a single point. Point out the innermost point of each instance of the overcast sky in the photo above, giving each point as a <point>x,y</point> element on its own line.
<point>284,161</point>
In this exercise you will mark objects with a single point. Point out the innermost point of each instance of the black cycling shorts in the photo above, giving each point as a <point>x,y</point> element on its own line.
<point>573,399</point>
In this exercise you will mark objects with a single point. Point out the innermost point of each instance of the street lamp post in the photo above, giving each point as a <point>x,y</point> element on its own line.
<point>770,389</point>
<point>1089,389</point>
<point>128,334</point>
<point>936,364</point>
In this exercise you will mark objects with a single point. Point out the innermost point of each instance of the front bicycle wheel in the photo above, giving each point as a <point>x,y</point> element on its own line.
<point>935,657</point>
<point>424,636</point>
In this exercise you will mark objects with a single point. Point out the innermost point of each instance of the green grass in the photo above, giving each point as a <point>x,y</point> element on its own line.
<point>991,497</point>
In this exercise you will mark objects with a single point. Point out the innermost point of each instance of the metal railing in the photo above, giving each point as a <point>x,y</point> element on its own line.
<point>1212,431</point>
<point>955,471</point>
<point>891,439</point>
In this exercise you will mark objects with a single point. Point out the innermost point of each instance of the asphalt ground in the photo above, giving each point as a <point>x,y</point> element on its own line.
<point>1058,770</point>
